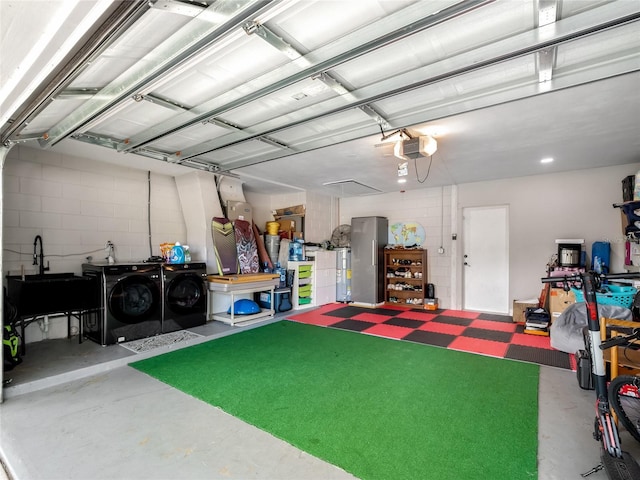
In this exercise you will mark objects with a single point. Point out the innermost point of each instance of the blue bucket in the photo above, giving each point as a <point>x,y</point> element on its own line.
<point>600,256</point>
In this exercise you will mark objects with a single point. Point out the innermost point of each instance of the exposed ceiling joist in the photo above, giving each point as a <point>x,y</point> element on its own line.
<point>222,17</point>
<point>269,88</point>
<point>524,44</point>
<point>328,60</point>
<point>123,16</point>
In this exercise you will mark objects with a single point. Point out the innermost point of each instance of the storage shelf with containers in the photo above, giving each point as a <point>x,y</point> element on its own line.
<point>302,288</point>
<point>630,216</point>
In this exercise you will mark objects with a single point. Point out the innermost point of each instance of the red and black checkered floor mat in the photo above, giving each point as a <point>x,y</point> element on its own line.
<point>486,334</point>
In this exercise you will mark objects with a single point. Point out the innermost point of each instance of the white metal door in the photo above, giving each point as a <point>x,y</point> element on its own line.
<point>485,262</point>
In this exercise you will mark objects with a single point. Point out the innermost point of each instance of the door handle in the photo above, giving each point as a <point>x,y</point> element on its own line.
<point>374,252</point>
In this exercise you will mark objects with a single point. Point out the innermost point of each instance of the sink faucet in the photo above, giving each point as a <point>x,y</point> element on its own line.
<point>39,256</point>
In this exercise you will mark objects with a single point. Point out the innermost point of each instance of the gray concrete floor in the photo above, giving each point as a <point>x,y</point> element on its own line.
<point>77,411</point>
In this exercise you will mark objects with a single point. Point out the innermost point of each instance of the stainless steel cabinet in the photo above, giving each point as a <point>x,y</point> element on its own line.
<point>369,236</point>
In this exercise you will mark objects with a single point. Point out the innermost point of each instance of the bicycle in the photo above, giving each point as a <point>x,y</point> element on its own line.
<point>624,390</point>
<point>618,464</point>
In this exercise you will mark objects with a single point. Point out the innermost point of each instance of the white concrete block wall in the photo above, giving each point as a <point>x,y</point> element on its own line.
<point>200,204</point>
<point>431,208</point>
<point>261,209</point>
<point>542,208</point>
<point>77,205</point>
<point>321,217</point>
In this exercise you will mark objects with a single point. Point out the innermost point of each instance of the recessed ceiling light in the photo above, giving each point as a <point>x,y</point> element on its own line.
<point>547,160</point>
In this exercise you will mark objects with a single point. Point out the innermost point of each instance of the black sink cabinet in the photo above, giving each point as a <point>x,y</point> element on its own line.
<point>38,295</point>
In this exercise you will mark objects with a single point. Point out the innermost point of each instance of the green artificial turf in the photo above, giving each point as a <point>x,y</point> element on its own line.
<point>378,408</point>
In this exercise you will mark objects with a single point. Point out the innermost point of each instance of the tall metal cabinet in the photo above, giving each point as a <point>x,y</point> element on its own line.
<point>369,236</point>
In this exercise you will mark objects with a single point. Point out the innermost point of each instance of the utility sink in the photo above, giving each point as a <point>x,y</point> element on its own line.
<point>34,295</point>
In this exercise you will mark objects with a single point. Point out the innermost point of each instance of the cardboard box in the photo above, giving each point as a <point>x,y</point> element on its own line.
<point>559,300</point>
<point>287,225</point>
<point>520,306</point>
<point>295,210</point>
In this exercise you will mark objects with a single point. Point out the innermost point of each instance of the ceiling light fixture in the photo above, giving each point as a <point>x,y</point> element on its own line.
<point>547,160</point>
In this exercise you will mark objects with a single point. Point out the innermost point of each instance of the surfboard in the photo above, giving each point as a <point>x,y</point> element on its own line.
<point>246,247</point>
<point>224,245</point>
<point>263,256</point>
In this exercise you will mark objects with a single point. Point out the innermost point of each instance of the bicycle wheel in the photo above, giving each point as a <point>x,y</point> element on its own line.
<point>624,397</point>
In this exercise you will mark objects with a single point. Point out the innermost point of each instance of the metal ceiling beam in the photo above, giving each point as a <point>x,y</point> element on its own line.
<point>340,89</point>
<point>123,16</point>
<point>330,61</point>
<point>221,123</point>
<point>197,35</point>
<point>546,14</point>
<point>274,143</point>
<point>325,77</point>
<point>27,138</point>
<point>523,44</point>
<point>104,141</point>
<point>465,105</point>
<point>545,60</point>
<point>163,102</point>
<point>95,139</point>
<point>272,39</point>
<point>332,83</point>
<point>375,115</point>
<point>77,93</point>
<point>180,8</point>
